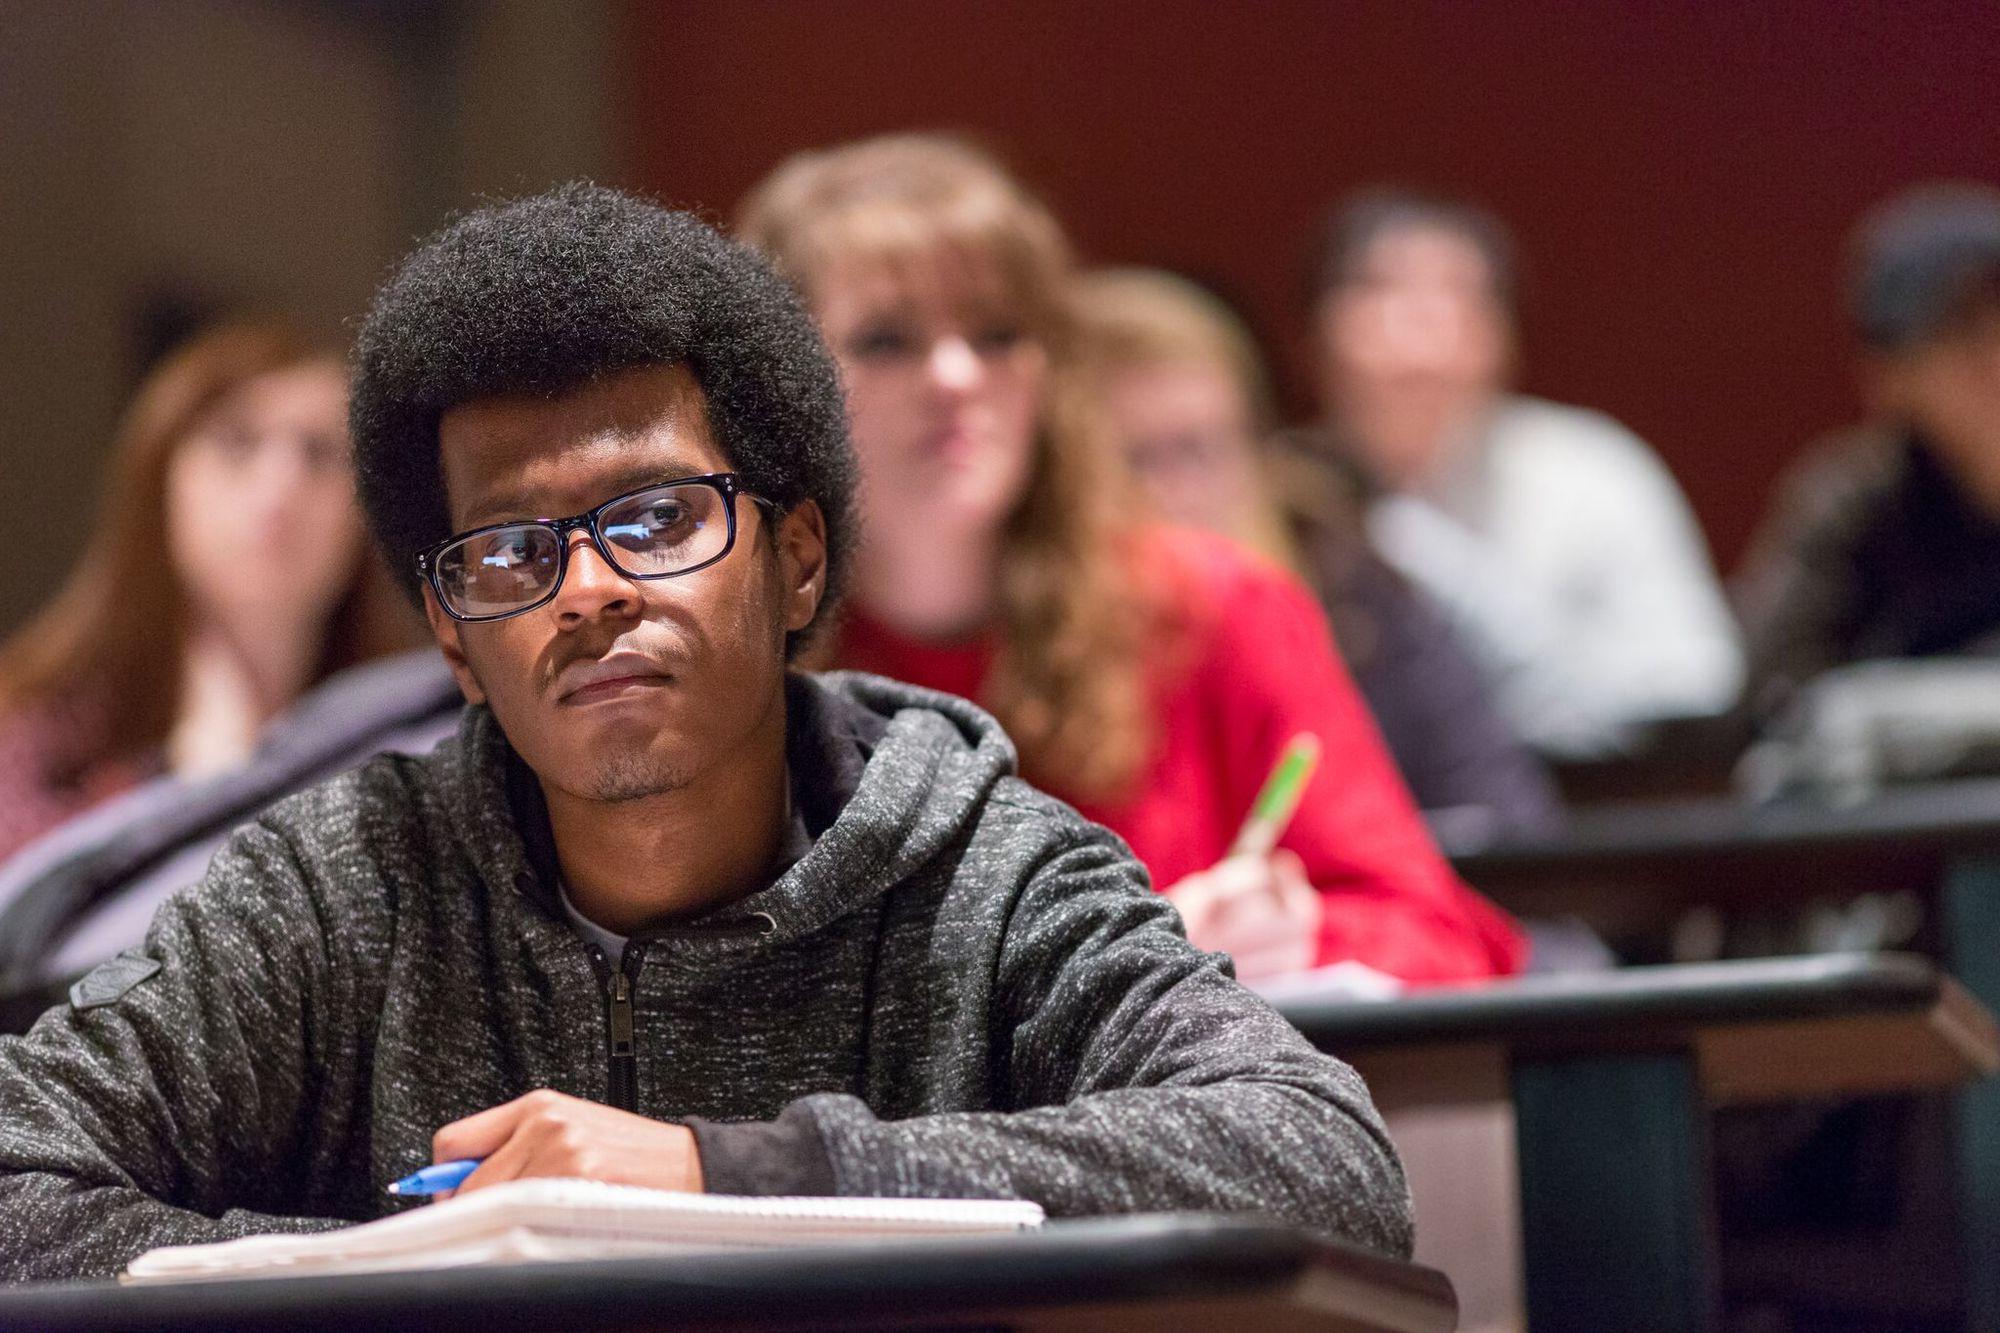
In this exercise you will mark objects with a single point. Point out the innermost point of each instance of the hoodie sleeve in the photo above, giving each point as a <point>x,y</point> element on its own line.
<point>163,1104</point>
<point>1138,1077</point>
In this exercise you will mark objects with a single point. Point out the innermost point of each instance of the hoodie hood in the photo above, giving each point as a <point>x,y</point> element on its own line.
<point>884,777</point>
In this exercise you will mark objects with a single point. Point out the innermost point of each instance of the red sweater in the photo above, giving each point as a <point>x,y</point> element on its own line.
<point>1258,667</point>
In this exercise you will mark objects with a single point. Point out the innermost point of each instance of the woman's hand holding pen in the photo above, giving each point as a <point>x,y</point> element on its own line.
<point>1261,910</point>
<point>1256,904</point>
<point>548,1134</point>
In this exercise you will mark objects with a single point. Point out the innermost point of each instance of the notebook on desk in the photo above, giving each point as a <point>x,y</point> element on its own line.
<point>1336,981</point>
<point>539,1220</point>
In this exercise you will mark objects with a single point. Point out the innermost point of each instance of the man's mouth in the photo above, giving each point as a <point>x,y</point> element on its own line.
<point>609,677</point>
<point>612,689</point>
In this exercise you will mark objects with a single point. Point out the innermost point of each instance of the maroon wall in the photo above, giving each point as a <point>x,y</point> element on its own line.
<point>1680,174</point>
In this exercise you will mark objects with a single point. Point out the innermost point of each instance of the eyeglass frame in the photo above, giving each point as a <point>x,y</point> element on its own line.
<point>728,484</point>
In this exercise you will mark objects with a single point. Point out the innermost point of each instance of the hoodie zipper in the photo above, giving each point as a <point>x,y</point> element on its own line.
<point>622,1030</point>
<point>622,1047</point>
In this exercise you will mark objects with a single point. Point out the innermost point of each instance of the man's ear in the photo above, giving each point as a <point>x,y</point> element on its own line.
<point>801,543</point>
<point>445,630</point>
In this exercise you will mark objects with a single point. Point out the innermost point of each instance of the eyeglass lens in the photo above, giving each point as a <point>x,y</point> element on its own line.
<point>649,534</point>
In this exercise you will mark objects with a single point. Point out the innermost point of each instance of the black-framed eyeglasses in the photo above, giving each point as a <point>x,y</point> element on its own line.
<point>657,532</point>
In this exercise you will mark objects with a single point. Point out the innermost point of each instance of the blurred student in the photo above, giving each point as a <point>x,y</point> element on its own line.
<point>1149,675</point>
<point>1188,400</point>
<point>225,576</point>
<point>1553,535</point>
<point>1885,541</point>
<point>1870,600</point>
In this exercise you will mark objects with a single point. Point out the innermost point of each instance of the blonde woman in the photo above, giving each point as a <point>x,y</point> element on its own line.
<point>1150,675</point>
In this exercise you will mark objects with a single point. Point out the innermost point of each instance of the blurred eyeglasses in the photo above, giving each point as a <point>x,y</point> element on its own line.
<point>658,532</point>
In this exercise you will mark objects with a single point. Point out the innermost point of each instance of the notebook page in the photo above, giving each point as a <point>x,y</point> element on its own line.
<point>527,1219</point>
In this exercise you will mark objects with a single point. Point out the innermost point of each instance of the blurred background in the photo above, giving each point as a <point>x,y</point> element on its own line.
<point>1680,177</point>
<point>1681,181</point>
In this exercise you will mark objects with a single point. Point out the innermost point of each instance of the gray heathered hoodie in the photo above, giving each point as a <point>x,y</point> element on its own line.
<point>962,989</point>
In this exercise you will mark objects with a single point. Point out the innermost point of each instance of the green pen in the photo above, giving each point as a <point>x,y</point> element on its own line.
<point>1272,811</point>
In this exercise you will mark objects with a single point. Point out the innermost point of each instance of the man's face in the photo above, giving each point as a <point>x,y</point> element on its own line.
<point>618,689</point>
<point>1949,387</point>
<point>1413,345</point>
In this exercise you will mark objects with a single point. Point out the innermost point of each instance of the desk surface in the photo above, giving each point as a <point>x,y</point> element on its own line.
<point>1630,870</point>
<point>1605,1009</point>
<point>1760,1028</point>
<point>1947,815</point>
<point>1131,1272</point>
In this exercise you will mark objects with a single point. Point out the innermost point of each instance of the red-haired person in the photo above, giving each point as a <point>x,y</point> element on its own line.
<point>1149,675</point>
<point>226,576</point>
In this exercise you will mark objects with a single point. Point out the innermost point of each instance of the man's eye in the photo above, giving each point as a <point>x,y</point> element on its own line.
<point>508,552</point>
<point>659,516</point>
<point>661,521</point>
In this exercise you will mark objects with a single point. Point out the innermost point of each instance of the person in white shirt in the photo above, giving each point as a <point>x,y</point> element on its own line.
<point>1556,539</point>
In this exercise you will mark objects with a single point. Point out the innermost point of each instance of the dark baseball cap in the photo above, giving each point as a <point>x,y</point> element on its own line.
<point>1923,261</point>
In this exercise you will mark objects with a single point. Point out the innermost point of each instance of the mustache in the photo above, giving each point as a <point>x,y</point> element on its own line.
<point>573,666</point>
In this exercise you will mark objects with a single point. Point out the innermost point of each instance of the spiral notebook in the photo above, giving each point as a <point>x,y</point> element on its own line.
<point>537,1220</point>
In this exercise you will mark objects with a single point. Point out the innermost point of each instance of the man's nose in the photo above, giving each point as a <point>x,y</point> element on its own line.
<point>591,586</point>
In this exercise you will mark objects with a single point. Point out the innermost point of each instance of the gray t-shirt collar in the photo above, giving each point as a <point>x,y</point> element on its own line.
<point>797,842</point>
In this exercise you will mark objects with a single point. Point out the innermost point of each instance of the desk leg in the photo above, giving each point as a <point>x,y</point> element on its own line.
<point>1616,1223</point>
<point>1972,950</point>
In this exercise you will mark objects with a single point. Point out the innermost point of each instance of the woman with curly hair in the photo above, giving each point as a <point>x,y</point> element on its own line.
<point>1149,675</point>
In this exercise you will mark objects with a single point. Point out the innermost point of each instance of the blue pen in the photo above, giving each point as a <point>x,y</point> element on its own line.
<point>436,1179</point>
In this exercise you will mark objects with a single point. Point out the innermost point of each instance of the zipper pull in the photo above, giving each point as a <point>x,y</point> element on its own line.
<point>621,1016</point>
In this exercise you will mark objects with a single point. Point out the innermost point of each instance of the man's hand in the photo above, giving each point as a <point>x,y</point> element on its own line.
<point>1260,910</point>
<point>548,1134</point>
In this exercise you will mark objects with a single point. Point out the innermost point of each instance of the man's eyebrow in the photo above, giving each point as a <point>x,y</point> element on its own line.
<point>516,506</point>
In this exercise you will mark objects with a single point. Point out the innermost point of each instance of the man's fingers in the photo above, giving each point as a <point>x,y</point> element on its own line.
<point>509,1162</point>
<point>482,1134</point>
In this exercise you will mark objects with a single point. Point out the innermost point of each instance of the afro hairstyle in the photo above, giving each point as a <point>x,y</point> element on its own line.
<point>544,294</point>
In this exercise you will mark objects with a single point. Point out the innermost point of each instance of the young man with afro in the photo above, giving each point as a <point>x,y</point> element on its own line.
<point>664,912</point>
